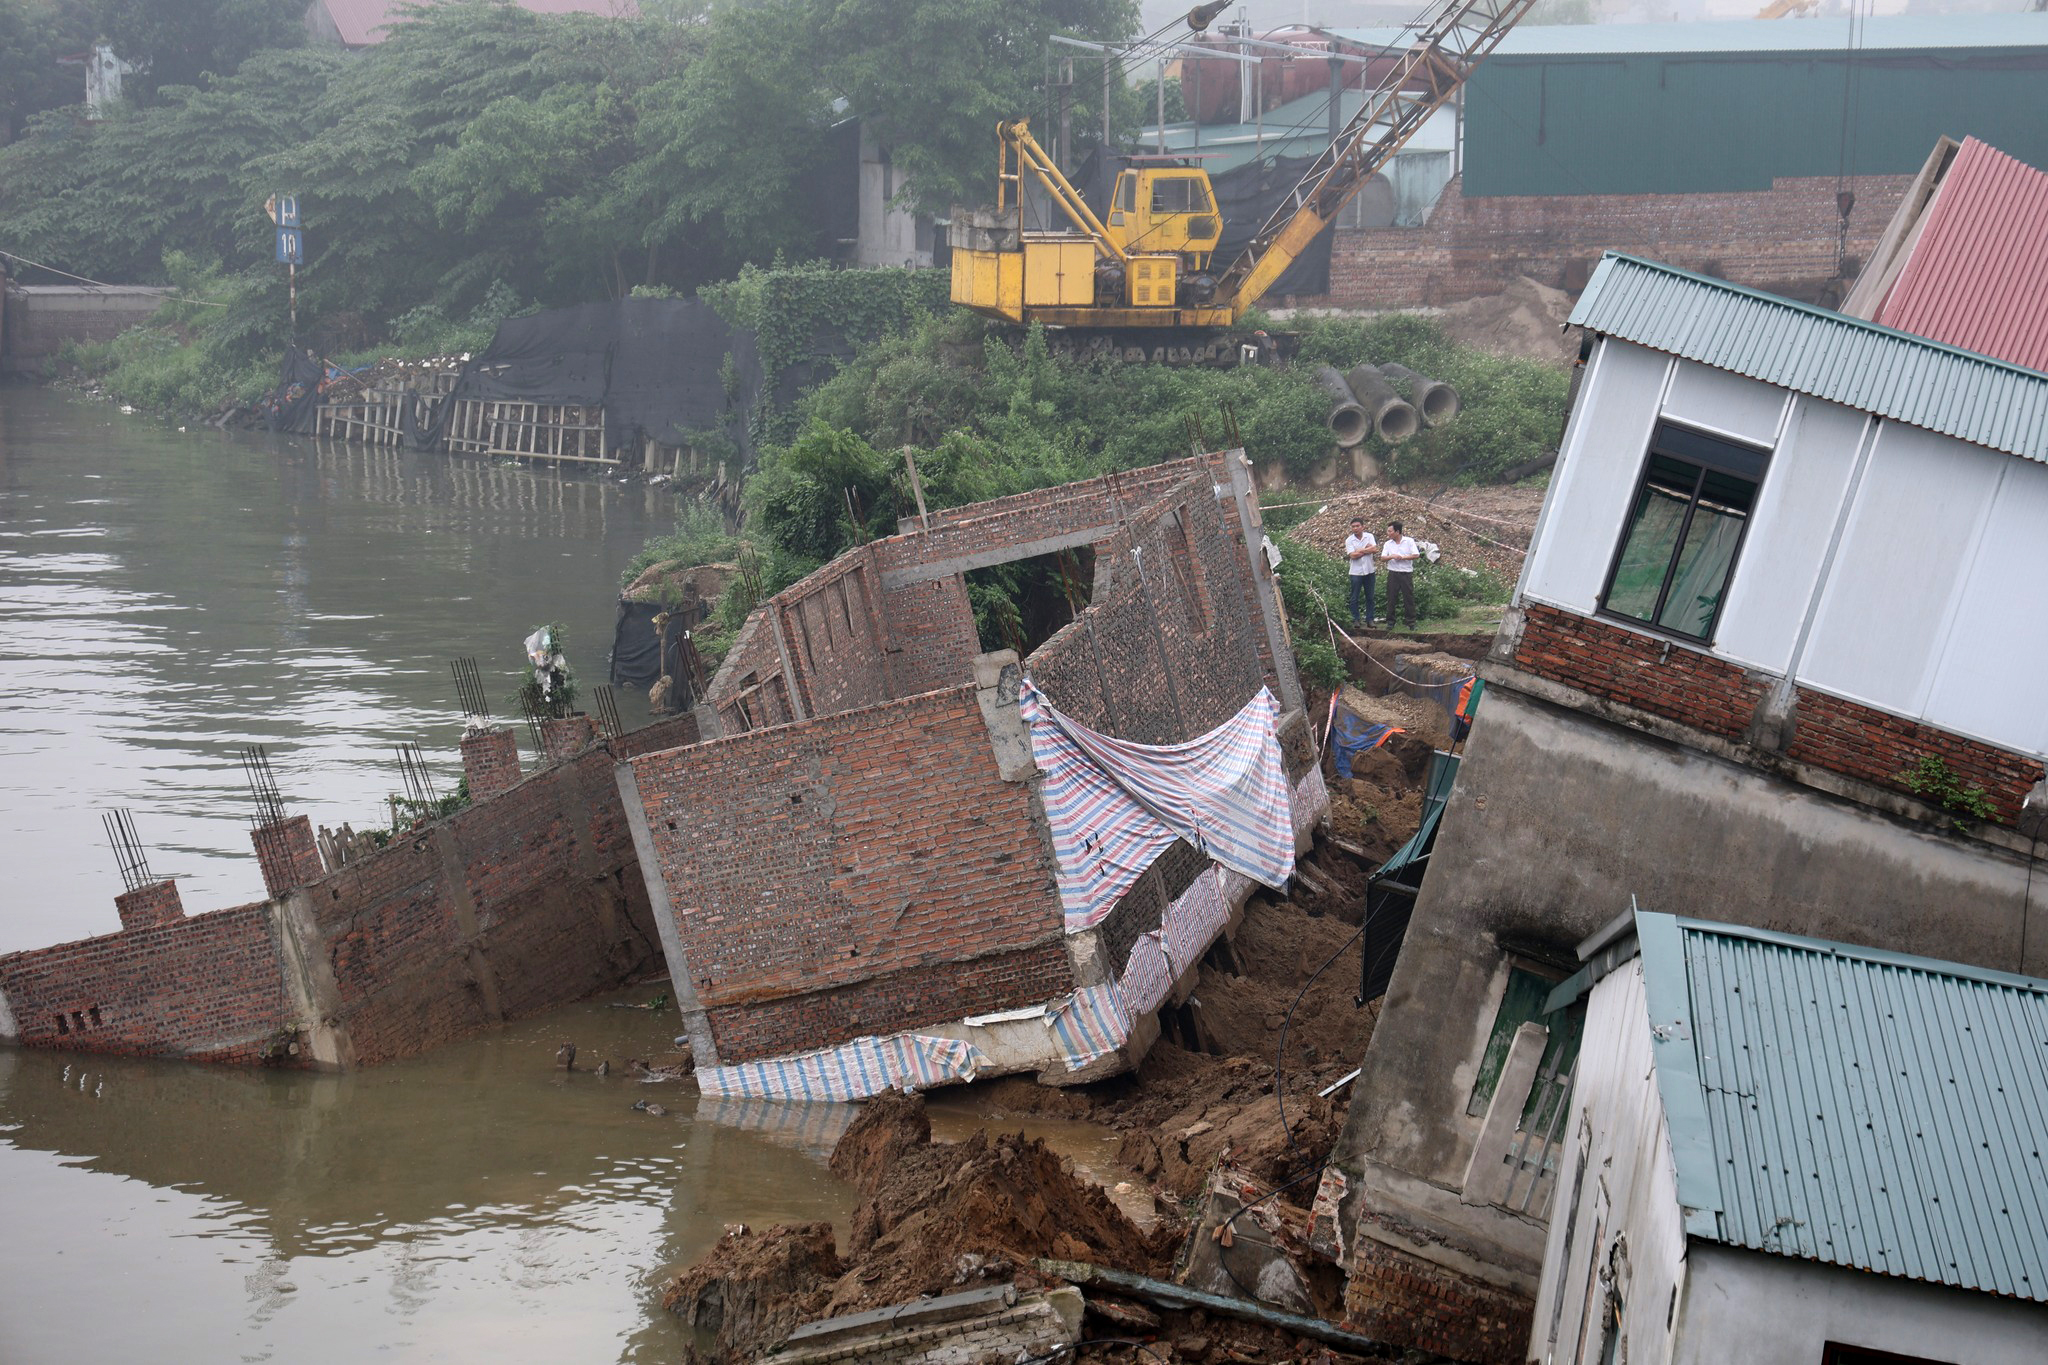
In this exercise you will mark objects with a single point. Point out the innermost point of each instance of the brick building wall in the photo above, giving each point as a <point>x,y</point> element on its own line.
<point>505,909</point>
<point>148,906</point>
<point>490,761</point>
<point>1404,1300</point>
<point>210,987</point>
<point>1696,689</point>
<point>1783,239</point>
<point>512,906</point>
<point>842,852</point>
<point>1166,648</point>
<point>287,854</point>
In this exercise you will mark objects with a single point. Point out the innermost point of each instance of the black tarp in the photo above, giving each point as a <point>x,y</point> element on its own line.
<point>636,648</point>
<point>658,367</point>
<point>291,406</point>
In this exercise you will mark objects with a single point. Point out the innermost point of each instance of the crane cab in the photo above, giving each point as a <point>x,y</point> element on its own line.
<point>1165,209</point>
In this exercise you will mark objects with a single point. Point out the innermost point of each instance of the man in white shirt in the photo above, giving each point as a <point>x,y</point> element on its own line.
<point>1400,552</point>
<point>1358,548</point>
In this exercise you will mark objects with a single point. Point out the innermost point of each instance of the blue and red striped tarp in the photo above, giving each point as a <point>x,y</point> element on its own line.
<point>1114,805</point>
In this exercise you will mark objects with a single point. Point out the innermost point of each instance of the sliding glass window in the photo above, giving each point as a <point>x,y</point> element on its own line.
<point>1684,528</point>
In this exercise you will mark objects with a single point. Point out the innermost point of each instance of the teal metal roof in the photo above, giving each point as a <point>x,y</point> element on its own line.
<point>1855,1107</point>
<point>1818,352</point>
<point>1300,127</point>
<point>1886,32</point>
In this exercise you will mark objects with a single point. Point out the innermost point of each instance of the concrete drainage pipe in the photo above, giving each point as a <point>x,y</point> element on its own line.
<point>1349,422</point>
<point>1435,400</point>
<point>1392,417</point>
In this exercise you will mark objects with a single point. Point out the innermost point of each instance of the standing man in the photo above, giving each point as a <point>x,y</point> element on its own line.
<point>1400,552</point>
<point>1358,548</point>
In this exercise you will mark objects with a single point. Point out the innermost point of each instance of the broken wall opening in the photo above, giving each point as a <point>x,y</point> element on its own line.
<point>1022,604</point>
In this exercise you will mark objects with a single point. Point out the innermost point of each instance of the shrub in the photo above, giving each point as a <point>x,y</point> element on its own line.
<point>1930,776</point>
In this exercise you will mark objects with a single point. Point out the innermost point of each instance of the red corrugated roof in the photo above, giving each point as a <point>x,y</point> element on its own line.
<point>363,23</point>
<point>1978,276</point>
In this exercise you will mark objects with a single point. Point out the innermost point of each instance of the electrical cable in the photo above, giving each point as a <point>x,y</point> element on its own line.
<point>99,284</point>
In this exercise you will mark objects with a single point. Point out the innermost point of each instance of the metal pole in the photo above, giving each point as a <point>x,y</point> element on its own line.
<point>1066,114</point>
<point>1336,97</point>
<point>1159,89</point>
<point>1191,94</point>
<point>1105,111</point>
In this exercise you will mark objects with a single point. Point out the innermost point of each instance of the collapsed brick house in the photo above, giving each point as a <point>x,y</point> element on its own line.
<point>854,872</point>
<point>1786,556</point>
<point>526,899</point>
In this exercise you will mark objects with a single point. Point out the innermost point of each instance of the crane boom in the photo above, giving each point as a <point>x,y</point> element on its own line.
<point>1453,38</point>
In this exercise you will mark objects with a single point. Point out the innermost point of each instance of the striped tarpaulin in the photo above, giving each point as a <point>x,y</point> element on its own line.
<point>851,1071</point>
<point>1194,919</point>
<point>1089,1024</point>
<point>1114,806</point>
<point>1148,976</point>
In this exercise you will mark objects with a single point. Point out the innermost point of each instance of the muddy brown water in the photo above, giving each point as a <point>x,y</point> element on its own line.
<point>166,597</point>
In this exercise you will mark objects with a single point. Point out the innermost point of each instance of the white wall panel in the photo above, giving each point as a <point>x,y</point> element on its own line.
<point>1589,496</point>
<point>1990,677</point>
<point>1788,535</point>
<point>1719,401</point>
<point>1885,608</point>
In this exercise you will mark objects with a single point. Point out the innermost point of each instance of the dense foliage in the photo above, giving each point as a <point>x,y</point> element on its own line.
<point>481,146</point>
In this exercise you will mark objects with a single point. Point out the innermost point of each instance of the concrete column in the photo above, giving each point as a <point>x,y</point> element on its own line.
<point>490,761</point>
<point>997,676</point>
<point>566,736</point>
<point>288,854</point>
<point>1486,1175</point>
<point>149,906</point>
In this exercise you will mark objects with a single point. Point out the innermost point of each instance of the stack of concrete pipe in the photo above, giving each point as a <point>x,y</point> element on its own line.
<point>1349,422</point>
<point>1434,399</point>
<point>1366,402</point>
<point>1393,419</point>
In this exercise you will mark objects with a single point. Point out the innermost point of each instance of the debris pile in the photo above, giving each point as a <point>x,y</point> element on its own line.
<point>1472,528</point>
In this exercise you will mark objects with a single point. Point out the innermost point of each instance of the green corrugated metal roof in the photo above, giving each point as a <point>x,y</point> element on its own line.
<point>1815,351</point>
<point>1719,107</point>
<point>1443,775</point>
<point>1855,1107</point>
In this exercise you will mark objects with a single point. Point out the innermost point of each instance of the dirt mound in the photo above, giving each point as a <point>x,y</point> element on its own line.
<point>1524,320</point>
<point>674,583</point>
<point>1179,1129</point>
<point>937,1217</point>
<point>752,1289</point>
<point>1469,531</point>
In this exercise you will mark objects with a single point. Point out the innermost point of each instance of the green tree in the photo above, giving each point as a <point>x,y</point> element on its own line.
<point>34,36</point>
<point>181,43</point>
<point>932,78</point>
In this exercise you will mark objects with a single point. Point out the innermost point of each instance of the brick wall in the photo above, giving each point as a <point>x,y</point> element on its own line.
<point>1721,698</point>
<point>287,854</point>
<point>846,850</point>
<point>1639,670</point>
<point>507,908</point>
<point>909,998</point>
<point>563,737</point>
<point>1404,1300</point>
<point>1167,647</point>
<point>1142,909</point>
<point>857,632</point>
<point>148,906</point>
<point>1846,737</point>
<point>490,761</point>
<point>210,987</point>
<point>1784,239</point>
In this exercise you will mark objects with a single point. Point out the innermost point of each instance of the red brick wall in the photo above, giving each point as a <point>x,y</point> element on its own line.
<point>1721,698</point>
<point>932,639</point>
<point>209,987</point>
<point>1784,239</point>
<point>510,907</point>
<point>147,906</point>
<point>287,853</point>
<point>1639,670</point>
<point>566,736</point>
<point>490,761</point>
<point>667,733</point>
<point>1165,654</point>
<point>836,644</point>
<point>1846,737</point>
<point>842,852</point>
<point>1404,1300</point>
<point>893,1002</point>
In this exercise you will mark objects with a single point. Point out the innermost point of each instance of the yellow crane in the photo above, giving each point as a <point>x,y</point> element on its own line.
<point>1152,264</point>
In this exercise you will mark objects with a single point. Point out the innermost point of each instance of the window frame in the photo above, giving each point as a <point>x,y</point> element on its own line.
<point>1710,452</point>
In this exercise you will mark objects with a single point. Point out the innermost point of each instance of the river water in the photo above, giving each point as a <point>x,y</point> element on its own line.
<point>166,597</point>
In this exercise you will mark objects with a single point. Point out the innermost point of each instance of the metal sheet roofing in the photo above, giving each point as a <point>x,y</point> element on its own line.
<point>1814,351</point>
<point>1905,32</point>
<point>1854,1107</point>
<point>1978,275</point>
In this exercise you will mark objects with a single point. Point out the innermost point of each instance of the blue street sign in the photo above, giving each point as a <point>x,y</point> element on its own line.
<point>291,246</point>
<point>288,210</point>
